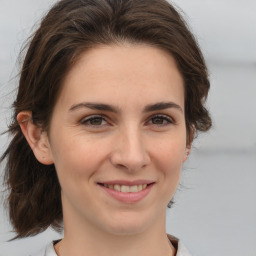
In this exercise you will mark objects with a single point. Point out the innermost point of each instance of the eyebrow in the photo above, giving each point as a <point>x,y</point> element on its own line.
<point>110,108</point>
<point>162,106</point>
<point>95,106</point>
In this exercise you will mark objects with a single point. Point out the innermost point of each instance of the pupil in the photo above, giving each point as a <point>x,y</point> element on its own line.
<point>157,120</point>
<point>96,121</point>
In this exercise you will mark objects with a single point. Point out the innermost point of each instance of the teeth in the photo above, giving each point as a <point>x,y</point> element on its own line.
<point>126,189</point>
<point>117,187</point>
<point>134,188</point>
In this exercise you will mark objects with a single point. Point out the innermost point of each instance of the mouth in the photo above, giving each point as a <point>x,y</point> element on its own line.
<point>126,188</point>
<point>127,191</point>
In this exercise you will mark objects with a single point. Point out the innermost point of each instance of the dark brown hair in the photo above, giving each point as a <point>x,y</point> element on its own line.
<point>69,28</point>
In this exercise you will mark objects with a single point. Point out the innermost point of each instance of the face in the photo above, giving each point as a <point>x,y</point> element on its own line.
<point>117,138</point>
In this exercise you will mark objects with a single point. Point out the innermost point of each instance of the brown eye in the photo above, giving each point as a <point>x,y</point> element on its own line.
<point>157,120</point>
<point>94,121</point>
<point>161,120</point>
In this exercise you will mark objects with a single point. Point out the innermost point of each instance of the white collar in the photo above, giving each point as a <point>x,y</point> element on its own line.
<point>181,249</point>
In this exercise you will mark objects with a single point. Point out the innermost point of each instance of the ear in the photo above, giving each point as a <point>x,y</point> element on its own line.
<point>186,153</point>
<point>190,138</point>
<point>36,137</point>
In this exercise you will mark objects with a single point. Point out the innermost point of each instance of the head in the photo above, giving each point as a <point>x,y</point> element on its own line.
<point>66,34</point>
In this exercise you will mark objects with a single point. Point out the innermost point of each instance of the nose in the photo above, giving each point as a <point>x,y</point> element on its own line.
<point>130,152</point>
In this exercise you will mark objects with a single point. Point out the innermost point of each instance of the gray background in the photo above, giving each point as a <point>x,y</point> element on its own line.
<point>215,210</point>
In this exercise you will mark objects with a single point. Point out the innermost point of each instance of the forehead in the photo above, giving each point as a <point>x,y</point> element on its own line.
<point>131,71</point>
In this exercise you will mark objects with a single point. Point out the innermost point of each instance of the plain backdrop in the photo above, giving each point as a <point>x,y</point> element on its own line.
<point>215,210</point>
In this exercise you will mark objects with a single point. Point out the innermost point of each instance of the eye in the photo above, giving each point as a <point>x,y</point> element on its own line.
<point>160,120</point>
<point>94,121</point>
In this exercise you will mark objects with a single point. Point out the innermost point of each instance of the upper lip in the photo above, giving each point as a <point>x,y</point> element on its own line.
<point>127,182</point>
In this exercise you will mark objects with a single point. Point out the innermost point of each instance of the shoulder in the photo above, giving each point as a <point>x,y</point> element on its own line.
<point>46,251</point>
<point>181,249</point>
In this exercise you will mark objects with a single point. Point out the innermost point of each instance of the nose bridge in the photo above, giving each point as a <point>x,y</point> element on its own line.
<point>130,151</point>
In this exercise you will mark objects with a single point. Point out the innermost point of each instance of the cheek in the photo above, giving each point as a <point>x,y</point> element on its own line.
<point>169,159</point>
<point>74,158</point>
<point>78,158</point>
<point>171,151</point>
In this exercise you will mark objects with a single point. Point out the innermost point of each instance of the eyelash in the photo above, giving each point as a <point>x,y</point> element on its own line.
<point>164,118</point>
<point>168,119</point>
<point>86,121</point>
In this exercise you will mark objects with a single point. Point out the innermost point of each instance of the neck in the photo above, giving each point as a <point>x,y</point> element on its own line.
<point>90,241</point>
<point>126,247</point>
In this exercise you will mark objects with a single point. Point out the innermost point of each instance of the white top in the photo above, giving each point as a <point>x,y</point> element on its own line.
<point>49,250</point>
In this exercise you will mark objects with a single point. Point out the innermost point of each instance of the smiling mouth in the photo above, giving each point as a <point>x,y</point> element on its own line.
<point>125,188</point>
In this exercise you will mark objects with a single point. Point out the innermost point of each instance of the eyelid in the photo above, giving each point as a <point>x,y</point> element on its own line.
<point>165,117</point>
<point>86,119</point>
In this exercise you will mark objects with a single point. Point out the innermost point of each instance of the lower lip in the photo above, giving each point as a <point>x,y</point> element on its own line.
<point>130,197</point>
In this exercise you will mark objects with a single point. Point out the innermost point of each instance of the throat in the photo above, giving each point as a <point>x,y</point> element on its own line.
<point>124,249</point>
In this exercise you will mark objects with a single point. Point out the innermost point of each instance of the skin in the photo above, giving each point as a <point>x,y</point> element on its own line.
<point>89,146</point>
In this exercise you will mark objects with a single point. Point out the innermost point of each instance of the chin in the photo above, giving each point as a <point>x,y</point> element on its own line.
<point>129,224</point>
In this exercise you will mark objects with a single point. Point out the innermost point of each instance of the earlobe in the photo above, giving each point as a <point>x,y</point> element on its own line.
<point>186,153</point>
<point>36,137</point>
<point>190,137</point>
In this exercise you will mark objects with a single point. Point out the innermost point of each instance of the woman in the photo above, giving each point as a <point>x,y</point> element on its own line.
<point>111,95</point>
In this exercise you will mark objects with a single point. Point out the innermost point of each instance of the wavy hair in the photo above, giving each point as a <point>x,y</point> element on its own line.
<point>67,30</point>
